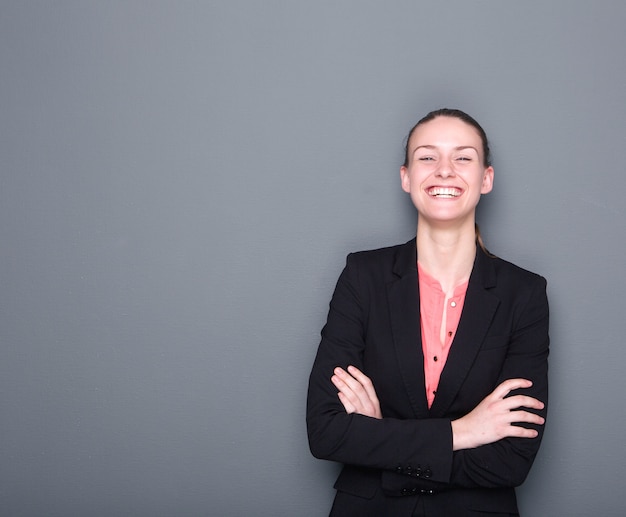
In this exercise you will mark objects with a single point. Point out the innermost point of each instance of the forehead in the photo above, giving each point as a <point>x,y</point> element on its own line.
<point>446,131</point>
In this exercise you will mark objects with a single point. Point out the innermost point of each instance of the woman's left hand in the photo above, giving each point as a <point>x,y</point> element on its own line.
<point>356,392</point>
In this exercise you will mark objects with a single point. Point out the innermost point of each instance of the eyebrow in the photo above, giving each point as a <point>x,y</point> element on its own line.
<point>459,148</point>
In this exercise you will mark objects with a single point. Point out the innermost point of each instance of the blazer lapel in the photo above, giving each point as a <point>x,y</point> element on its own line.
<point>403,298</point>
<point>478,311</point>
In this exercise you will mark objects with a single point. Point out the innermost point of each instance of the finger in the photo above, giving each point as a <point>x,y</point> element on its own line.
<point>347,405</point>
<point>339,371</point>
<point>343,374</point>
<point>351,391</point>
<point>365,381</point>
<point>515,431</point>
<point>504,388</point>
<point>355,385</point>
<point>358,374</point>
<point>342,386</point>
<point>362,398</point>
<point>519,401</point>
<point>339,384</point>
<point>526,417</point>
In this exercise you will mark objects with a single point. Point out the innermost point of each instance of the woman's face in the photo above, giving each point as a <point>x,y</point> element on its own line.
<point>446,174</point>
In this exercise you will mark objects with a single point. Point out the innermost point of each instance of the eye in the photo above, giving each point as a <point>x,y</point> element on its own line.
<point>464,159</point>
<point>426,158</point>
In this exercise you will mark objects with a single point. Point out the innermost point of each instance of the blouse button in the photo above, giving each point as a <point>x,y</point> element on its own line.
<point>453,304</point>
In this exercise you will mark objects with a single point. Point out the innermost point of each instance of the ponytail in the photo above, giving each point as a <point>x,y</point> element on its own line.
<point>479,241</point>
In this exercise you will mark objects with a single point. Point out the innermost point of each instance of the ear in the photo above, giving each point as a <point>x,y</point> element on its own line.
<point>487,185</point>
<point>404,179</point>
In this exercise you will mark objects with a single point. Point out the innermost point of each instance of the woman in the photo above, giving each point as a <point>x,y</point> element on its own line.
<point>430,382</point>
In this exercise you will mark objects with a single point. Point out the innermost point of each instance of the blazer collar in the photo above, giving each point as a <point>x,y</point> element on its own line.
<point>403,299</point>
<point>405,262</point>
<point>478,311</point>
<point>483,271</point>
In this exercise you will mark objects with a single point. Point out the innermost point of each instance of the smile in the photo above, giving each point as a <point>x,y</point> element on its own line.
<point>445,192</point>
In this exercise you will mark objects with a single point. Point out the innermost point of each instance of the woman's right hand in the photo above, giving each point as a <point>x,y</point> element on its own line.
<point>492,419</point>
<point>356,392</point>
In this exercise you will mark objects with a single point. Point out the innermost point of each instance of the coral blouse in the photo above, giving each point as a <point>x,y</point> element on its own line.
<point>439,320</point>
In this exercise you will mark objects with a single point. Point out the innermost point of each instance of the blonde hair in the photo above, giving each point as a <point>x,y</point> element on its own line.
<point>479,241</point>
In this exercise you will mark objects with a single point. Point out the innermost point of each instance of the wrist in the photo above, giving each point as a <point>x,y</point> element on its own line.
<point>460,438</point>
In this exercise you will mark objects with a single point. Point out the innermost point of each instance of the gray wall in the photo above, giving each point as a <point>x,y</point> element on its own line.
<point>180,183</point>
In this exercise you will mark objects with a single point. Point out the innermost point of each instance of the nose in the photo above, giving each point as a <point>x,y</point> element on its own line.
<point>445,169</point>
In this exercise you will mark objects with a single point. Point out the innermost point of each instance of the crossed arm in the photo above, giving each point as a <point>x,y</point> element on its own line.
<point>488,422</point>
<point>483,447</point>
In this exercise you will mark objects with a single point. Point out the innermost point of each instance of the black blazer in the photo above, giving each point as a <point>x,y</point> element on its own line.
<point>406,459</point>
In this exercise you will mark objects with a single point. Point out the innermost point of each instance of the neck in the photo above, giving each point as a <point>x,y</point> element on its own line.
<point>447,254</point>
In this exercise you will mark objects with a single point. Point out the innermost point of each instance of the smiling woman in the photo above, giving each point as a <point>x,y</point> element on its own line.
<point>430,381</point>
<point>446,172</point>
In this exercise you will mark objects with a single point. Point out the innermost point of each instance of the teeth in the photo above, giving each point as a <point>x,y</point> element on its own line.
<point>444,192</point>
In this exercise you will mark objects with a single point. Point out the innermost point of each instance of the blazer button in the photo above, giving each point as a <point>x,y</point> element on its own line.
<point>427,473</point>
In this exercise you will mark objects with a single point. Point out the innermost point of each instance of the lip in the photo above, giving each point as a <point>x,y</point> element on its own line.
<point>444,192</point>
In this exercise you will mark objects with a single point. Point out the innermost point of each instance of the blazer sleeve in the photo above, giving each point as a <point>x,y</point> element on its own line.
<point>508,461</point>
<point>388,444</point>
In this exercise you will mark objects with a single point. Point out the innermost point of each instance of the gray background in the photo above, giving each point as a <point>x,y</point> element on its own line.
<point>180,184</point>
